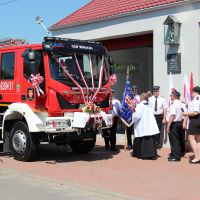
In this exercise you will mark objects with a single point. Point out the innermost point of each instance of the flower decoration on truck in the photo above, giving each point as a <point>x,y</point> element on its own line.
<point>36,80</point>
<point>94,114</point>
<point>113,79</point>
<point>91,108</point>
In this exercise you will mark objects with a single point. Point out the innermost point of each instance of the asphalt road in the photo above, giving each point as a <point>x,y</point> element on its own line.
<point>59,173</point>
<point>15,185</point>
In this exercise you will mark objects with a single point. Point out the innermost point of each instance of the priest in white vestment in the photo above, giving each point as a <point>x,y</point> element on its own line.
<point>145,129</point>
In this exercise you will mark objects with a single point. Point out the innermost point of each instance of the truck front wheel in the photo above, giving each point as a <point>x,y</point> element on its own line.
<point>22,144</point>
<point>83,146</point>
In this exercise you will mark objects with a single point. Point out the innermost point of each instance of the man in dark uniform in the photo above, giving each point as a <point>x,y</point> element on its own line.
<point>130,129</point>
<point>110,134</point>
<point>159,107</point>
<point>183,136</point>
<point>174,127</point>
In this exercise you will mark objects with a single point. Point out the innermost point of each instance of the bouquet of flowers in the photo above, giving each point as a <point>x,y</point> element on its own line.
<point>91,108</point>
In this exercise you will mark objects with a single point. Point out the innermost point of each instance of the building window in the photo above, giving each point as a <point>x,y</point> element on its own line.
<point>7,66</point>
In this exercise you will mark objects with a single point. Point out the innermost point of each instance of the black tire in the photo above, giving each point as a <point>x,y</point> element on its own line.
<point>22,144</point>
<point>82,147</point>
<point>1,147</point>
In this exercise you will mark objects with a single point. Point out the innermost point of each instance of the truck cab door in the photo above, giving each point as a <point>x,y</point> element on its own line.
<point>7,78</point>
<point>34,68</point>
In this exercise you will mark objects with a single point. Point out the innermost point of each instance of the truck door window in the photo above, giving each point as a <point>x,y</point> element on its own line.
<point>7,66</point>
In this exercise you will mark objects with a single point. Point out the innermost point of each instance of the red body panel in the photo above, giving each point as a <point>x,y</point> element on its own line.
<point>16,90</point>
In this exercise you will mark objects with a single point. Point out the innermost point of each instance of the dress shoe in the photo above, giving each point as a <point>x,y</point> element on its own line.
<point>150,158</point>
<point>195,162</point>
<point>173,159</point>
<point>129,147</point>
<point>170,156</point>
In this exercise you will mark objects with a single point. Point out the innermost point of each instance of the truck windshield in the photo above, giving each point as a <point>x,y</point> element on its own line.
<point>90,66</point>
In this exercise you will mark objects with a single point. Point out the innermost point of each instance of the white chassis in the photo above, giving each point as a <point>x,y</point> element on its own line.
<point>40,122</point>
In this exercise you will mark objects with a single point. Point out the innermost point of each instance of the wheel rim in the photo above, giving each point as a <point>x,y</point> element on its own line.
<point>19,141</point>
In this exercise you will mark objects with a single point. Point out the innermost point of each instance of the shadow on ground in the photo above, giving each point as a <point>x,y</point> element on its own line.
<point>59,154</point>
<point>5,154</point>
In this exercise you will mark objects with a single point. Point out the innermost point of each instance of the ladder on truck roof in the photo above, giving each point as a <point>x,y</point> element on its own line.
<point>7,42</point>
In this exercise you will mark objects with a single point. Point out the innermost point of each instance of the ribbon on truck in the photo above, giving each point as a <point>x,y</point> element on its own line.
<point>36,80</point>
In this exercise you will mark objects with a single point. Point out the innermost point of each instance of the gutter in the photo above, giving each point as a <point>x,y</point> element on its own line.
<point>137,12</point>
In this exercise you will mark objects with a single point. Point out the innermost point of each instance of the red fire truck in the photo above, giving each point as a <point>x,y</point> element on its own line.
<point>55,92</point>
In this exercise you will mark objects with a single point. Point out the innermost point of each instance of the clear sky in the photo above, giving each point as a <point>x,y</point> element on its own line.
<point>17,17</point>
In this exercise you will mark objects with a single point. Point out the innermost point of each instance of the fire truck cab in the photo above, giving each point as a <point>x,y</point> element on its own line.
<point>55,92</point>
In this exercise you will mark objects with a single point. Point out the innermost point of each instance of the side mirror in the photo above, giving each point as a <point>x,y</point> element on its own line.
<point>112,70</point>
<point>110,61</point>
<point>31,56</point>
<point>30,62</point>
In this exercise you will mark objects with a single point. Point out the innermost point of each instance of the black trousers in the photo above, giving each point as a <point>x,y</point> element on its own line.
<point>129,135</point>
<point>177,139</point>
<point>110,138</point>
<point>182,143</point>
<point>159,119</point>
<point>182,140</point>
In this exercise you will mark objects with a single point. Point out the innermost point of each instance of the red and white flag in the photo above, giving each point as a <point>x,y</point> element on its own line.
<point>191,83</point>
<point>187,96</point>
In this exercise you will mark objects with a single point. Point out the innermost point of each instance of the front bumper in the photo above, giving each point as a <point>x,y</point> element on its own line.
<point>87,120</point>
<point>73,122</point>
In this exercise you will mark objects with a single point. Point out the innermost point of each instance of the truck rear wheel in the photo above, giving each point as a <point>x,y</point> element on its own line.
<point>83,146</point>
<point>22,144</point>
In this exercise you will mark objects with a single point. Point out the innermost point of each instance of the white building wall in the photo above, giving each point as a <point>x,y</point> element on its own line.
<point>188,15</point>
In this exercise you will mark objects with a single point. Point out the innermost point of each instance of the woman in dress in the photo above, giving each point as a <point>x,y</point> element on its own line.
<point>145,128</point>
<point>194,124</point>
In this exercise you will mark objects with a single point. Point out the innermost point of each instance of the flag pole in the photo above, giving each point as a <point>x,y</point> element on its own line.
<point>125,139</point>
<point>125,133</point>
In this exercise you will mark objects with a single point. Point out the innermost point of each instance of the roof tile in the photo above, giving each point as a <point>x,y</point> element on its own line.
<point>100,9</point>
